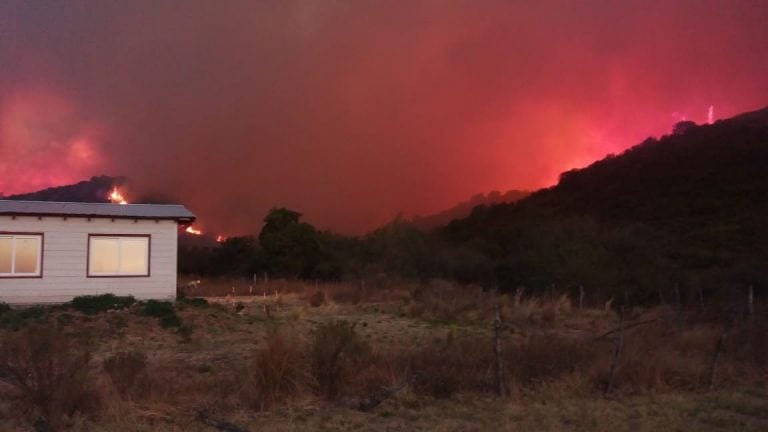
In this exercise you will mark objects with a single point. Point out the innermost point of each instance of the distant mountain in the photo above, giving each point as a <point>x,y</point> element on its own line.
<point>463,209</point>
<point>97,189</point>
<point>687,209</point>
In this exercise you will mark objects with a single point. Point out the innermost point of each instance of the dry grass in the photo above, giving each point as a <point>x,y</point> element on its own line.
<point>450,366</point>
<point>543,358</point>
<point>127,372</point>
<point>317,299</point>
<point>278,372</point>
<point>277,362</point>
<point>336,351</point>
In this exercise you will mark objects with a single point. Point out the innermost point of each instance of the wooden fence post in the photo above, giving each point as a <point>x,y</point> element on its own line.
<point>716,356</point>
<point>498,328</point>
<point>616,353</point>
<point>678,309</point>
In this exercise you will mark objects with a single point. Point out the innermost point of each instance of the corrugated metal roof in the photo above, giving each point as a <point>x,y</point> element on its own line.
<point>102,210</point>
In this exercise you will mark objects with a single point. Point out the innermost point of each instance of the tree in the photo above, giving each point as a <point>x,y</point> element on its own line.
<point>291,247</point>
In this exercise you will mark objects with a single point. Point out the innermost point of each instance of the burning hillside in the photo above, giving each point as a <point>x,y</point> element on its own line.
<point>116,197</point>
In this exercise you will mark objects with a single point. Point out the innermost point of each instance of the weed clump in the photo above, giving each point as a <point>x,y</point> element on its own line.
<point>444,301</point>
<point>335,351</point>
<point>444,368</point>
<point>126,370</point>
<point>749,344</point>
<point>347,294</point>
<point>642,366</point>
<point>436,376</point>
<point>163,311</point>
<point>94,304</point>
<point>317,299</point>
<point>543,358</point>
<point>277,372</point>
<point>194,301</point>
<point>48,374</point>
<point>16,319</point>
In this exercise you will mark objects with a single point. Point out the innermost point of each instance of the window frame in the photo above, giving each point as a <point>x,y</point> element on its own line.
<point>40,255</point>
<point>88,273</point>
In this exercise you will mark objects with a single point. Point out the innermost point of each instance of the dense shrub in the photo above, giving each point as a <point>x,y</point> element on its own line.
<point>94,304</point>
<point>16,319</point>
<point>194,301</point>
<point>162,310</point>
<point>47,373</point>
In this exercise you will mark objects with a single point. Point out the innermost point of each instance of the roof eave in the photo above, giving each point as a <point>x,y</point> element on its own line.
<point>180,219</point>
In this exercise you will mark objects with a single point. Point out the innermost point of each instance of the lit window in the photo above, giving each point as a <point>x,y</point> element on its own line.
<point>118,255</point>
<point>20,255</point>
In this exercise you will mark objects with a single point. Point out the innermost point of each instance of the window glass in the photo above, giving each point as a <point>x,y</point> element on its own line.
<point>104,255</point>
<point>133,255</point>
<point>26,253</point>
<point>6,251</point>
<point>20,255</point>
<point>119,256</point>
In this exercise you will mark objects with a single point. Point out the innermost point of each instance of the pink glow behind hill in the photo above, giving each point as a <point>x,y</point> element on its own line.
<point>353,112</point>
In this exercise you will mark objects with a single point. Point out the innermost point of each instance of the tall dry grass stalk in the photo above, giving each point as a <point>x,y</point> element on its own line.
<point>278,371</point>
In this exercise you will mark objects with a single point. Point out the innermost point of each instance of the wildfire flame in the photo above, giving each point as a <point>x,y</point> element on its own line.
<point>711,114</point>
<point>190,229</point>
<point>116,197</point>
<point>221,238</point>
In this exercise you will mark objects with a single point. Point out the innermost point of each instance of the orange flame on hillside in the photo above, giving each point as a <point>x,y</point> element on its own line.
<point>221,238</point>
<point>193,231</point>
<point>116,197</point>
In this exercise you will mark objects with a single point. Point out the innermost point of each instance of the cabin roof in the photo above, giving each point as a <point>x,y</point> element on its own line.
<point>96,210</point>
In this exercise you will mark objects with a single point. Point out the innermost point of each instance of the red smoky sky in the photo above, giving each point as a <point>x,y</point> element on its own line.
<point>353,111</point>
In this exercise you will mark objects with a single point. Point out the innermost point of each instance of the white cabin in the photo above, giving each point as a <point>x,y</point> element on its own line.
<point>51,252</point>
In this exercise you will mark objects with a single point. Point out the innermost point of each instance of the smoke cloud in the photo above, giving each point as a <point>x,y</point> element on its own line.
<point>352,112</point>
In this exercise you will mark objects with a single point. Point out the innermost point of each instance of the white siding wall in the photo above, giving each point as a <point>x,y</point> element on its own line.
<point>65,256</point>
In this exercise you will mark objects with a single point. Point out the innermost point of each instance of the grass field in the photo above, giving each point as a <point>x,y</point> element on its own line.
<point>290,356</point>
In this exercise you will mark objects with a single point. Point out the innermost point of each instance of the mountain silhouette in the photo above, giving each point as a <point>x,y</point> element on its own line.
<point>687,209</point>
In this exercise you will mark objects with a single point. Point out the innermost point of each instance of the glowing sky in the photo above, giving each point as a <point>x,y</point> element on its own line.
<point>354,111</point>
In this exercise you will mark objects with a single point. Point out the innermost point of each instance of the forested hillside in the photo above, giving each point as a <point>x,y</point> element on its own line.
<point>463,209</point>
<point>688,209</point>
<point>683,215</point>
